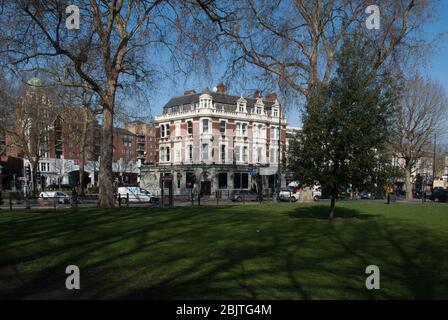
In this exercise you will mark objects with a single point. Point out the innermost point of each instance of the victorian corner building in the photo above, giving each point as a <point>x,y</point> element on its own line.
<point>214,141</point>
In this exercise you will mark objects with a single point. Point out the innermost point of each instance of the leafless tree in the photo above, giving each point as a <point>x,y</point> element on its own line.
<point>79,117</point>
<point>6,112</point>
<point>111,52</point>
<point>420,116</point>
<point>34,120</point>
<point>295,42</point>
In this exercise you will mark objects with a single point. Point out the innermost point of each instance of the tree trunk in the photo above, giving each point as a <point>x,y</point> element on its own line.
<point>83,152</point>
<point>332,205</point>
<point>106,198</point>
<point>409,195</point>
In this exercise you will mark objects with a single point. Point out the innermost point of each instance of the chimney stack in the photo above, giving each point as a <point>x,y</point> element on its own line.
<point>220,88</point>
<point>257,94</point>
<point>188,92</point>
<point>271,97</point>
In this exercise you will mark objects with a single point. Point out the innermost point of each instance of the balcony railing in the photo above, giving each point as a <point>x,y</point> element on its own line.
<point>219,113</point>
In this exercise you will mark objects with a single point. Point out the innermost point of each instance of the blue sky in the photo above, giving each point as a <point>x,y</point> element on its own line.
<point>436,68</point>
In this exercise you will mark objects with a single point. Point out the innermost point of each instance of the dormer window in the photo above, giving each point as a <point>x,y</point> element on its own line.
<point>205,101</point>
<point>259,106</point>
<point>241,105</point>
<point>275,111</point>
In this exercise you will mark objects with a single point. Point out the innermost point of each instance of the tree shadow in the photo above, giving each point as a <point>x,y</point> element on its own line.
<point>223,253</point>
<point>321,212</point>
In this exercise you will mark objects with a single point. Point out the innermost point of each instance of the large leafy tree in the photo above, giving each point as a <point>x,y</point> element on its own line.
<point>346,126</point>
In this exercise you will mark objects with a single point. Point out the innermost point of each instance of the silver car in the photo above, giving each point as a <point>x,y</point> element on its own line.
<point>60,197</point>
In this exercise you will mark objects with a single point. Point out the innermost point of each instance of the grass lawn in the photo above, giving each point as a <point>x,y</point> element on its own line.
<point>283,251</point>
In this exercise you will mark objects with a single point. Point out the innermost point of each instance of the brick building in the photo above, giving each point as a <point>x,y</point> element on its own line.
<point>222,141</point>
<point>60,152</point>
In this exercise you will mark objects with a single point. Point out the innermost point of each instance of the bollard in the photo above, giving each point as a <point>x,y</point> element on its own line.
<point>10,201</point>
<point>119,201</point>
<point>388,198</point>
<point>127,200</point>
<point>217,199</point>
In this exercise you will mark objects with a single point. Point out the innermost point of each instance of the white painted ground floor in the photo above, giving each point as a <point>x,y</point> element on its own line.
<point>208,179</point>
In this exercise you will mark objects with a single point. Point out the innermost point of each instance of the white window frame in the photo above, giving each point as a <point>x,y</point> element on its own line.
<point>245,154</point>
<point>225,127</point>
<point>237,155</point>
<point>223,160</point>
<point>166,130</point>
<point>202,151</point>
<point>177,126</point>
<point>192,126</point>
<point>210,126</point>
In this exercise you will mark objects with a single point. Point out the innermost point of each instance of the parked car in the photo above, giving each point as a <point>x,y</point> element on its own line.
<point>246,195</point>
<point>317,193</point>
<point>439,195</point>
<point>289,194</point>
<point>366,195</point>
<point>136,194</point>
<point>61,197</point>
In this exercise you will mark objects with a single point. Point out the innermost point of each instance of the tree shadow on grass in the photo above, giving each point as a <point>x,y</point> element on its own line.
<point>321,212</point>
<point>196,254</point>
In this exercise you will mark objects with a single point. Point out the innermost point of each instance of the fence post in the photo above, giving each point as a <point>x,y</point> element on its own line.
<point>199,198</point>
<point>119,200</point>
<point>217,199</point>
<point>127,200</point>
<point>10,201</point>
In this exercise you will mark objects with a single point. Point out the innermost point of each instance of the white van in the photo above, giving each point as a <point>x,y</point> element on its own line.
<point>136,194</point>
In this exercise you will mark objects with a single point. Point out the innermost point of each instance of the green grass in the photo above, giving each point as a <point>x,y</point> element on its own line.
<point>284,251</point>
